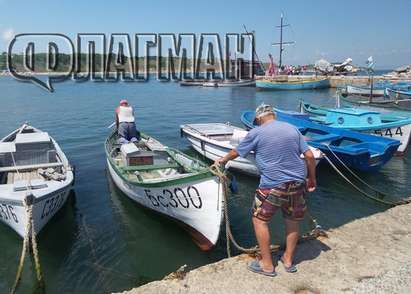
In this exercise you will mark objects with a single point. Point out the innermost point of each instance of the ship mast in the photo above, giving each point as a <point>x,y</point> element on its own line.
<point>281,43</point>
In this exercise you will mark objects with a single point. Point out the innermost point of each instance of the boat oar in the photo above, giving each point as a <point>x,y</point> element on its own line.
<point>112,125</point>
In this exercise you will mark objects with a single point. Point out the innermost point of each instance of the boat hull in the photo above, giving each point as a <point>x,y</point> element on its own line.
<point>400,133</point>
<point>364,91</point>
<point>244,83</point>
<point>213,151</point>
<point>46,204</point>
<point>398,95</point>
<point>197,206</point>
<point>382,102</point>
<point>297,85</point>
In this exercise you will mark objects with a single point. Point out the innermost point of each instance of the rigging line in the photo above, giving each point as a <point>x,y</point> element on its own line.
<point>254,51</point>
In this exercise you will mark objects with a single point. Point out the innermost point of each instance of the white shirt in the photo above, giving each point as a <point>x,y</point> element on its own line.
<point>125,114</point>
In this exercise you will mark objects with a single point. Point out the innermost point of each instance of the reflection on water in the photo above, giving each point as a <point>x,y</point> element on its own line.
<point>101,241</point>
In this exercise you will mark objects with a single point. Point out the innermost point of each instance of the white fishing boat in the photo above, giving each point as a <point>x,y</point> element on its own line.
<point>210,84</point>
<point>34,169</point>
<point>214,140</point>
<point>364,90</point>
<point>239,83</point>
<point>171,183</point>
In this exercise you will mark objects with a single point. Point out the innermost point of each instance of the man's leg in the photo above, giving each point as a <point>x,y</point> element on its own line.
<point>262,234</point>
<point>132,132</point>
<point>292,233</point>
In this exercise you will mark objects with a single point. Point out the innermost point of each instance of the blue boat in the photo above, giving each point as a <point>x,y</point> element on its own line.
<point>356,150</point>
<point>391,125</point>
<point>398,94</point>
<point>297,84</point>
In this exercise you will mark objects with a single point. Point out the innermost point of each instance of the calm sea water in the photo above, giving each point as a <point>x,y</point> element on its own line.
<point>101,241</point>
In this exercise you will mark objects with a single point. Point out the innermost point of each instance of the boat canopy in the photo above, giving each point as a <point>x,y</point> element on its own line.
<point>353,117</point>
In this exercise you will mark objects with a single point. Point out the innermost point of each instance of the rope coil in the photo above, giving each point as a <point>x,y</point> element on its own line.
<point>314,233</point>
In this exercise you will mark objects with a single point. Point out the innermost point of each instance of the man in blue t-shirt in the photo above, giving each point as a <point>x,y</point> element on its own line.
<point>284,179</point>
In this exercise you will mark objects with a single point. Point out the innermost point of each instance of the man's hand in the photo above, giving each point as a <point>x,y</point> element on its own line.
<point>310,184</point>
<point>229,156</point>
<point>220,161</point>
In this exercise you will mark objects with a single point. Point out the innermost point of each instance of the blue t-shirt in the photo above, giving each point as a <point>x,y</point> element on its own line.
<point>277,146</point>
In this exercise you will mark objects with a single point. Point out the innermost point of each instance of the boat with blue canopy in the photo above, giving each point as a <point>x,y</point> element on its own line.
<point>356,150</point>
<point>391,125</point>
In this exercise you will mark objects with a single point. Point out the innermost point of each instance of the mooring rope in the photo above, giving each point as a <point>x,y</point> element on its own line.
<point>29,238</point>
<point>354,174</point>
<point>215,170</point>
<point>364,193</point>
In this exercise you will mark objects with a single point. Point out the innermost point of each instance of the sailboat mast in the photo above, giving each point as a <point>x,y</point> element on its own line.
<point>281,40</point>
<point>281,44</point>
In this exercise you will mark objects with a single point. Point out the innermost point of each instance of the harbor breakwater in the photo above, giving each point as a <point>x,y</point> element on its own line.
<point>368,255</point>
<point>335,81</point>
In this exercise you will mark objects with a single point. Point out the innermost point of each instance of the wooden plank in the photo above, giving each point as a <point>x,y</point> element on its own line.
<point>32,166</point>
<point>149,167</point>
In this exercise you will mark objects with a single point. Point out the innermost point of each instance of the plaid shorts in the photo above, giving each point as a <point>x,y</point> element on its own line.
<point>290,197</point>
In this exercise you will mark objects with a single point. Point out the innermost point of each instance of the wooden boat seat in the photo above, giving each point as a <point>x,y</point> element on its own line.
<point>362,145</point>
<point>325,138</point>
<point>28,167</point>
<point>149,167</point>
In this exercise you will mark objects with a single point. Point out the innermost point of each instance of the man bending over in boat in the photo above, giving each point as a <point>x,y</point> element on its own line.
<point>283,183</point>
<point>125,124</point>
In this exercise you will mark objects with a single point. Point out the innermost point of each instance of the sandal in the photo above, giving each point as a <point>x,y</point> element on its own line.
<point>255,267</point>
<point>289,269</point>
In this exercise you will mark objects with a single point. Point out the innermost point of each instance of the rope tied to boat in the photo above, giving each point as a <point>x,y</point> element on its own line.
<point>221,174</point>
<point>29,240</point>
<point>378,197</point>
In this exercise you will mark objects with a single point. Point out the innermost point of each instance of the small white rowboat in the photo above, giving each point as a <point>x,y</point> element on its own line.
<point>214,140</point>
<point>32,166</point>
<point>364,90</point>
<point>171,183</point>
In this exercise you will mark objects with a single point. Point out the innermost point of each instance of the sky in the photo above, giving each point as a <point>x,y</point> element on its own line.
<point>333,30</point>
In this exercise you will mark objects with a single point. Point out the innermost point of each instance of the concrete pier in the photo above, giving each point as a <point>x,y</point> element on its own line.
<point>360,80</point>
<point>343,80</point>
<point>369,255</point>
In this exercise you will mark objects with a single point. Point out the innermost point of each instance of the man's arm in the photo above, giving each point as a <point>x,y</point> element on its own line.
<point>311,183</point>
<point>233,154</point>
<point>117,121</point>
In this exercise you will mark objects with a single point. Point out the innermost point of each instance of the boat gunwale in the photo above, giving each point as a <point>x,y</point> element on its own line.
<point>302,81</point>
<point>61,160</point>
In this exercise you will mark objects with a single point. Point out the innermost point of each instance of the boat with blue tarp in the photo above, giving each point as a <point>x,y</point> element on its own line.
<point>391,125</point>
<point>356,150</point>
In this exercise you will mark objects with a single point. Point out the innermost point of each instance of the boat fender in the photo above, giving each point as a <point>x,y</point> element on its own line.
<point>233,184</point>
<point>29,199</point>
<point>73,169</point>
